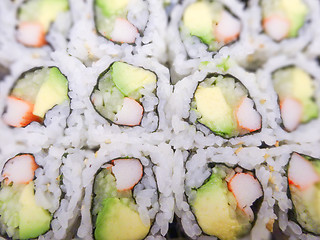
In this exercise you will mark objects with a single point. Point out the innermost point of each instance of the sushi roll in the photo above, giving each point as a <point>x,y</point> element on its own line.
<point>119,91</point>
<point>198,30</point>
<point>290,86</point>
<point>32,28</point>
<point>295,89</point>
<point>114,28</point>
<point>30,193</point>
<point>283,19</point>
<point>212,23</point>
<point>118,96</point>
<point>112,21</point>
<point>222,208</point>
<point>122,197</point>
<point>34,94</point>
<point>21,215</point>
<point>279,27</point>
<point>218,104</point>
<point>295,180</point>
<point>304,191</point>
<point>215,203</point>
<point>114,211</point>
<point>226,113</point>
<point>25,87</point>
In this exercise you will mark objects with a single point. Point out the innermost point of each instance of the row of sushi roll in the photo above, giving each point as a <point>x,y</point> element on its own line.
<point>222,149</point>
<point>88,30</point>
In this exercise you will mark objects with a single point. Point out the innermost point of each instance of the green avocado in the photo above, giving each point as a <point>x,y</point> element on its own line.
<point>216,210</point>
<point>53,91</point>
<point>296,11</point>
<point>116,220</point>
<point>130,79</point>
<point>111,7</point>
<point>33,220</point>
<point>215,112</point>
<point>197,19</point>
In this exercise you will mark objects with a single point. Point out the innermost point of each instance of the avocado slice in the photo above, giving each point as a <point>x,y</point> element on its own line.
<point>111,7</point>
<point>116,220</point>
<point>197,19</point>
<point>215,112</point>
<point>33,220</point>
<point>53,91</point>
<point>129,79</point>
<point>216,210</point>
<point>296,11</point>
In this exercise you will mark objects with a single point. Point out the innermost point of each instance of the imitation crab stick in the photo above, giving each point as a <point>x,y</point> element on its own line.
<point>246,190</point>
<point>276,27</point>
<point>124,31</point>
<point>247,117</point>
<point>130,114</point>
<point>291,113</point>
<point>301,172</point>
<point>127,172</point>
<point>19,112</point>
<point>228,28</point>
<point>19,169</point>
<point>31,34</point>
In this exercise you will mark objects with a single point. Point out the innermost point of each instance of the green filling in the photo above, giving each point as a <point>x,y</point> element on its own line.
<point>53,91</point>
<point>216,209</point>
<point>47,11</point>
<point>21,217</point>
<point>114,212</point>
<point>306,203</point>
<point>45,88</point>
<point>296,83</point>
<point>122,80</point>
<point>214,103</point>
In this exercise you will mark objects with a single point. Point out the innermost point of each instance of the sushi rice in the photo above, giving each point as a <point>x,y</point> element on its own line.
<point>176,151</point>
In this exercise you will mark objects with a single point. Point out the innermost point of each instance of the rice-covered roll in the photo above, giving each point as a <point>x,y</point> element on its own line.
<point>112,27</point>
<point>218,199</point>
<point>123,199</point>
<point>119,91</point>
<point>117,96</point>
<point>304,191</point>
<point>34,94</point>
<point>296,93</point>
<point>32,28</point>
<point>34,103</point>
<point>282,26</point>
<point>222,104</point>
<point>295,180</point>
<point>30,194</point>
<point>199,29</point>
<point>291,91</point>
<point>224,200</point>
<point>112,21</point>
<point>218,104</point>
